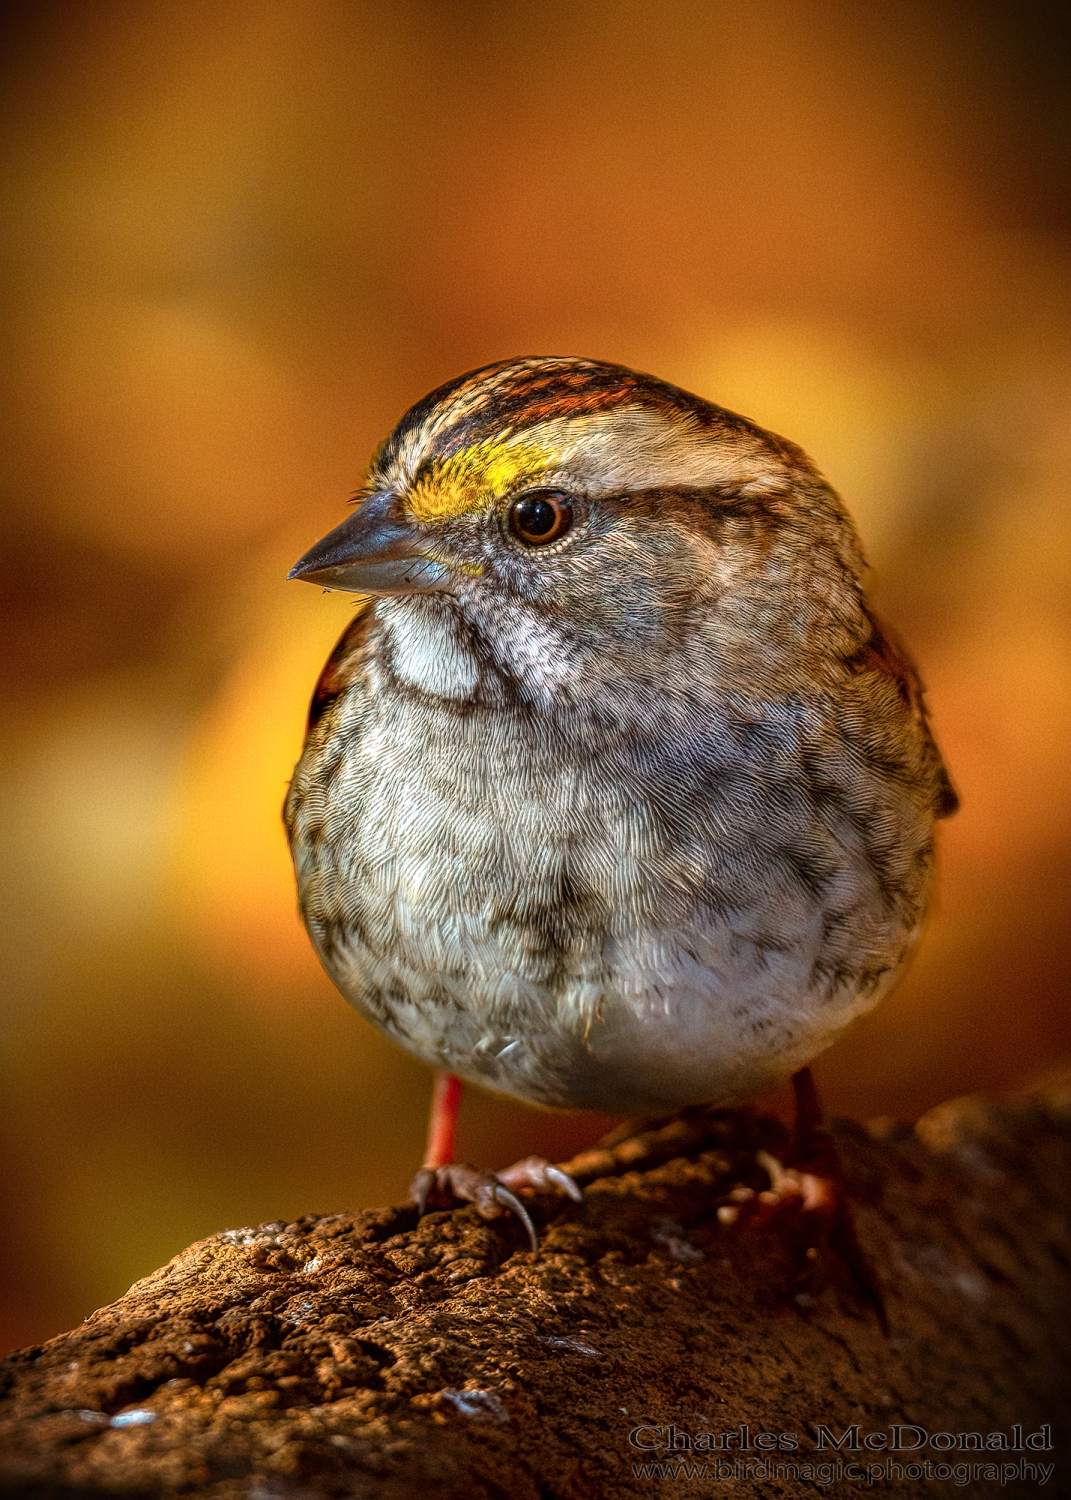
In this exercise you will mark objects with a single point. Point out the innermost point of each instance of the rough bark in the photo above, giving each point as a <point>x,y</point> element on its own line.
<point>368,1355</point>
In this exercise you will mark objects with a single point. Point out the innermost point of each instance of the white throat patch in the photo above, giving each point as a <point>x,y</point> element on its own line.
<point>426,649</point>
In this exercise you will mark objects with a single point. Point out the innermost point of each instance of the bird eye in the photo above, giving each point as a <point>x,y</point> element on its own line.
<point>540,517</point>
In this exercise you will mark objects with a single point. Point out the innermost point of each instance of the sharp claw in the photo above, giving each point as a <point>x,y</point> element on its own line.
<point>509,1200</point>
<point>563,1181</point>
<point>489,1191</point>
<point>536,1173</point>
<point>420,1189</point>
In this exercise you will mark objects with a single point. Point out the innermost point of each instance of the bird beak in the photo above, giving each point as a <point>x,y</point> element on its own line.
<point>374,551</point>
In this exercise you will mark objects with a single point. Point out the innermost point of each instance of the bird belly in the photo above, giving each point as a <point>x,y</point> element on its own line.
<point>567,939</point>
<point>674,1021</point>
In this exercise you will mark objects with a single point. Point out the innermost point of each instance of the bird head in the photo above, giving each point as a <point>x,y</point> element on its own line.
<point>605,515</point>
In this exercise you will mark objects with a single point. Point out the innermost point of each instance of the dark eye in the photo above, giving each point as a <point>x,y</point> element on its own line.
<point>540,517</point>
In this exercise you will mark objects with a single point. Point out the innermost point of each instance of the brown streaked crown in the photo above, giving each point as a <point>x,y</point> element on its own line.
<point>519,393</point>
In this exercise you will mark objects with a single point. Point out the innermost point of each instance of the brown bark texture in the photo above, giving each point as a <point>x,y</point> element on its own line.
<point>366,1354</point>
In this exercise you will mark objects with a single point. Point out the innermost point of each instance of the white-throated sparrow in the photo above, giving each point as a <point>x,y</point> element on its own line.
<point>615,795</point>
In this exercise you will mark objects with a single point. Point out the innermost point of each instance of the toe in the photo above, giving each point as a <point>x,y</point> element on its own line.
<point>535,1172</point>
<point>420,1189</point>
<point>488,1193</point>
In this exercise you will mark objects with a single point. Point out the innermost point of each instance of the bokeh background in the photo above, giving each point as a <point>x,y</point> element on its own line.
<point>241,238</point>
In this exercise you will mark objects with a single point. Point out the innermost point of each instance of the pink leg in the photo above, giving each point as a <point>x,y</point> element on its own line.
<point>442,1124</point>
<point>808,1109</point>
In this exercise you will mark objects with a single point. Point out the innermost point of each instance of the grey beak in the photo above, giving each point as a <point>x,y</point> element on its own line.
<point>374,551</point>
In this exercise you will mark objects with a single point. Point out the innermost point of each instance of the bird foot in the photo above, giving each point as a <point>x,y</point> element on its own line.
<point>815,1213</point>
<point>491,1192</point>
<point>791,1191</point>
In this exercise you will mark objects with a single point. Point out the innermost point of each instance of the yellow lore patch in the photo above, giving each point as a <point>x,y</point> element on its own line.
<point>473,479</point>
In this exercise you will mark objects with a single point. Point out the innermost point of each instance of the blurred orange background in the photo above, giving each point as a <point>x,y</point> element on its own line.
<point>241,239</point>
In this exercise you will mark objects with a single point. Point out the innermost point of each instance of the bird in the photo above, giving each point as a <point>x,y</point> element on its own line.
<point>615,793</point>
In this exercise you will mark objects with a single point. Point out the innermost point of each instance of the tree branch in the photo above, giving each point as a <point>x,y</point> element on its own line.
<point>369,1355</point>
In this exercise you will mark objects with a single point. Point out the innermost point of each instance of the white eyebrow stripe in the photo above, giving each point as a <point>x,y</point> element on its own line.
<point>626,448</point>
<point>637,448</point>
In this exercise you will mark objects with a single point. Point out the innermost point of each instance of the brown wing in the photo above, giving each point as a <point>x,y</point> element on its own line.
<point>886,654</point>
<point>341,664</point>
